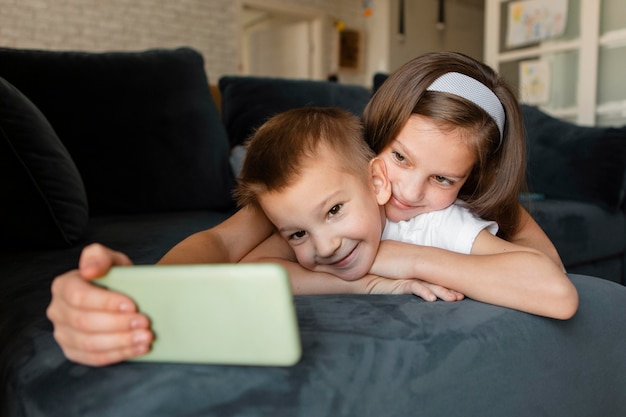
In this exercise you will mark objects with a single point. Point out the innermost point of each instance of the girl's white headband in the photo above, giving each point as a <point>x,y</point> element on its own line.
<point>473,90</point>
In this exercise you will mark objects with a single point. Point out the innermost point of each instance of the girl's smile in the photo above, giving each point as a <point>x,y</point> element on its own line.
<point>401,205</point>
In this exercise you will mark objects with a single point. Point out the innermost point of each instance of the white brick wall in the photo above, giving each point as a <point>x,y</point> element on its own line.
<point>105,25</point>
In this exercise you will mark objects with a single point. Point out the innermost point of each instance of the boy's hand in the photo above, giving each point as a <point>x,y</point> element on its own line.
<point>95,326</point>
<point>423,289</point>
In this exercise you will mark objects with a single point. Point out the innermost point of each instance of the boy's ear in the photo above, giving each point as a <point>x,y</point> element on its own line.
<point>380,182</point>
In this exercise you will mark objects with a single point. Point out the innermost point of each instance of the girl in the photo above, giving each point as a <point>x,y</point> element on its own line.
<point>450,94</point>
<point>114,331</point>
<point>450,132</point>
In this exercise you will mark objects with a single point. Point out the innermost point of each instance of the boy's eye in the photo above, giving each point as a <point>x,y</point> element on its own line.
<point>335,209</point>
<point>298,235</point>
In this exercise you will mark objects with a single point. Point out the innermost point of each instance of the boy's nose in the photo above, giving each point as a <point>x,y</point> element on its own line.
<point>326,245</point>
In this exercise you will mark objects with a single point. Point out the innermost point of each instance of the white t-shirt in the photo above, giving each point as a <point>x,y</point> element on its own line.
<point>454,228</point>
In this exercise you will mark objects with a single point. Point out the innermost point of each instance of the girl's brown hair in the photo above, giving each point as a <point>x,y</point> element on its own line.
<point>498,176</point>
<point>280,148</point>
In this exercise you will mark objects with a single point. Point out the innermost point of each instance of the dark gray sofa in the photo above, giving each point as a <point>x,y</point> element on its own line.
<point>135,156</point>
<point>579,174</point>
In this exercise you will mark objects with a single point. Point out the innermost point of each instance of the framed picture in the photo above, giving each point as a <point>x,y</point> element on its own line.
<point>534,81</point>
<point>351,49</point>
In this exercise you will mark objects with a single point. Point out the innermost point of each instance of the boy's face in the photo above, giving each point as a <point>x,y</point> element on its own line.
<point>331,218</point>
<point>427,166</point>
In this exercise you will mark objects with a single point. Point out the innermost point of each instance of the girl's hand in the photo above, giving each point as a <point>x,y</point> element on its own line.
<point>389,264</point>
<point>429,292</point>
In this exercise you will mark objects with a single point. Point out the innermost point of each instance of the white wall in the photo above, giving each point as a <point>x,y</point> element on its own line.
<point>283,53</point>
<point>97,25</point>
<point>211,27</point>
<point>463,32</point>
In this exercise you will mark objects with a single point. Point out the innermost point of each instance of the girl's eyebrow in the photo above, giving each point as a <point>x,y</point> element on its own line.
<point>407,153</point>
<point>405,150</point>
<point>455,177</point>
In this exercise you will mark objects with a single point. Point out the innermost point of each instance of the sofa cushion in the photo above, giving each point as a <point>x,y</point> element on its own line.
<point>573,162</point>
<point>44,204</point>
<point>579,230</point>
<point>378,80</point>
<point>141,127</point>
<point>249,101</point>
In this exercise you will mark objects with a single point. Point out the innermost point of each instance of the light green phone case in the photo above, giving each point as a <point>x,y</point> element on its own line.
<point>240,314</point>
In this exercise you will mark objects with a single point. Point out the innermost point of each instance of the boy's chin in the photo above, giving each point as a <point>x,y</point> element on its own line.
<point>353,274</point>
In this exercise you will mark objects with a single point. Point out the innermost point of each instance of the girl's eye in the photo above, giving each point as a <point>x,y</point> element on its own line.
<point>335,210</point>
<point>398,156</point>
<point>298,235</point>
<point>442,180</point>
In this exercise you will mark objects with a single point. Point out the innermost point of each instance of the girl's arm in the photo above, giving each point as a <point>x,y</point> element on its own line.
<point>497,272</point>
<point>304,281</point>
<point>530,235</point>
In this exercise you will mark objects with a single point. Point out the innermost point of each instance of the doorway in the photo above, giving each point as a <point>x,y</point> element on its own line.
<point>280,40</point>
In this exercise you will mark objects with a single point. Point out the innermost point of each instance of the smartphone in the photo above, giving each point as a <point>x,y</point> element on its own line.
<point>237,314</point>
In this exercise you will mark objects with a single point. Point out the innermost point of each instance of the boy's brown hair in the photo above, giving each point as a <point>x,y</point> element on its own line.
<point>493,187</point>
<point>279,149</point>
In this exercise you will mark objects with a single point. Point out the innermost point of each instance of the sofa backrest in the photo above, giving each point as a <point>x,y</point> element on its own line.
<point>44,204</point>
<point>249,101</point>
<point>572,162</point>
<point>141,127</point>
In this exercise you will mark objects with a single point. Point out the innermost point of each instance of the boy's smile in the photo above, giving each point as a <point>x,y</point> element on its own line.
<point>330,217</point>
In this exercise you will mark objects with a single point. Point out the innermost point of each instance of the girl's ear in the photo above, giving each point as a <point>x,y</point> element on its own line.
<point>380,182</point>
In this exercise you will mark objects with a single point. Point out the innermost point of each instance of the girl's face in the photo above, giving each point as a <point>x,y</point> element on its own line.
<point>427,166</point>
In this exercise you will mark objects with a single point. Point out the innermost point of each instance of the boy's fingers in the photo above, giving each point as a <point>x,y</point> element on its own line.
<point>106,349</point>
<point>96,260</point>
<point>71,289</point>
<point>101,342</point>
<point>94,322</point>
